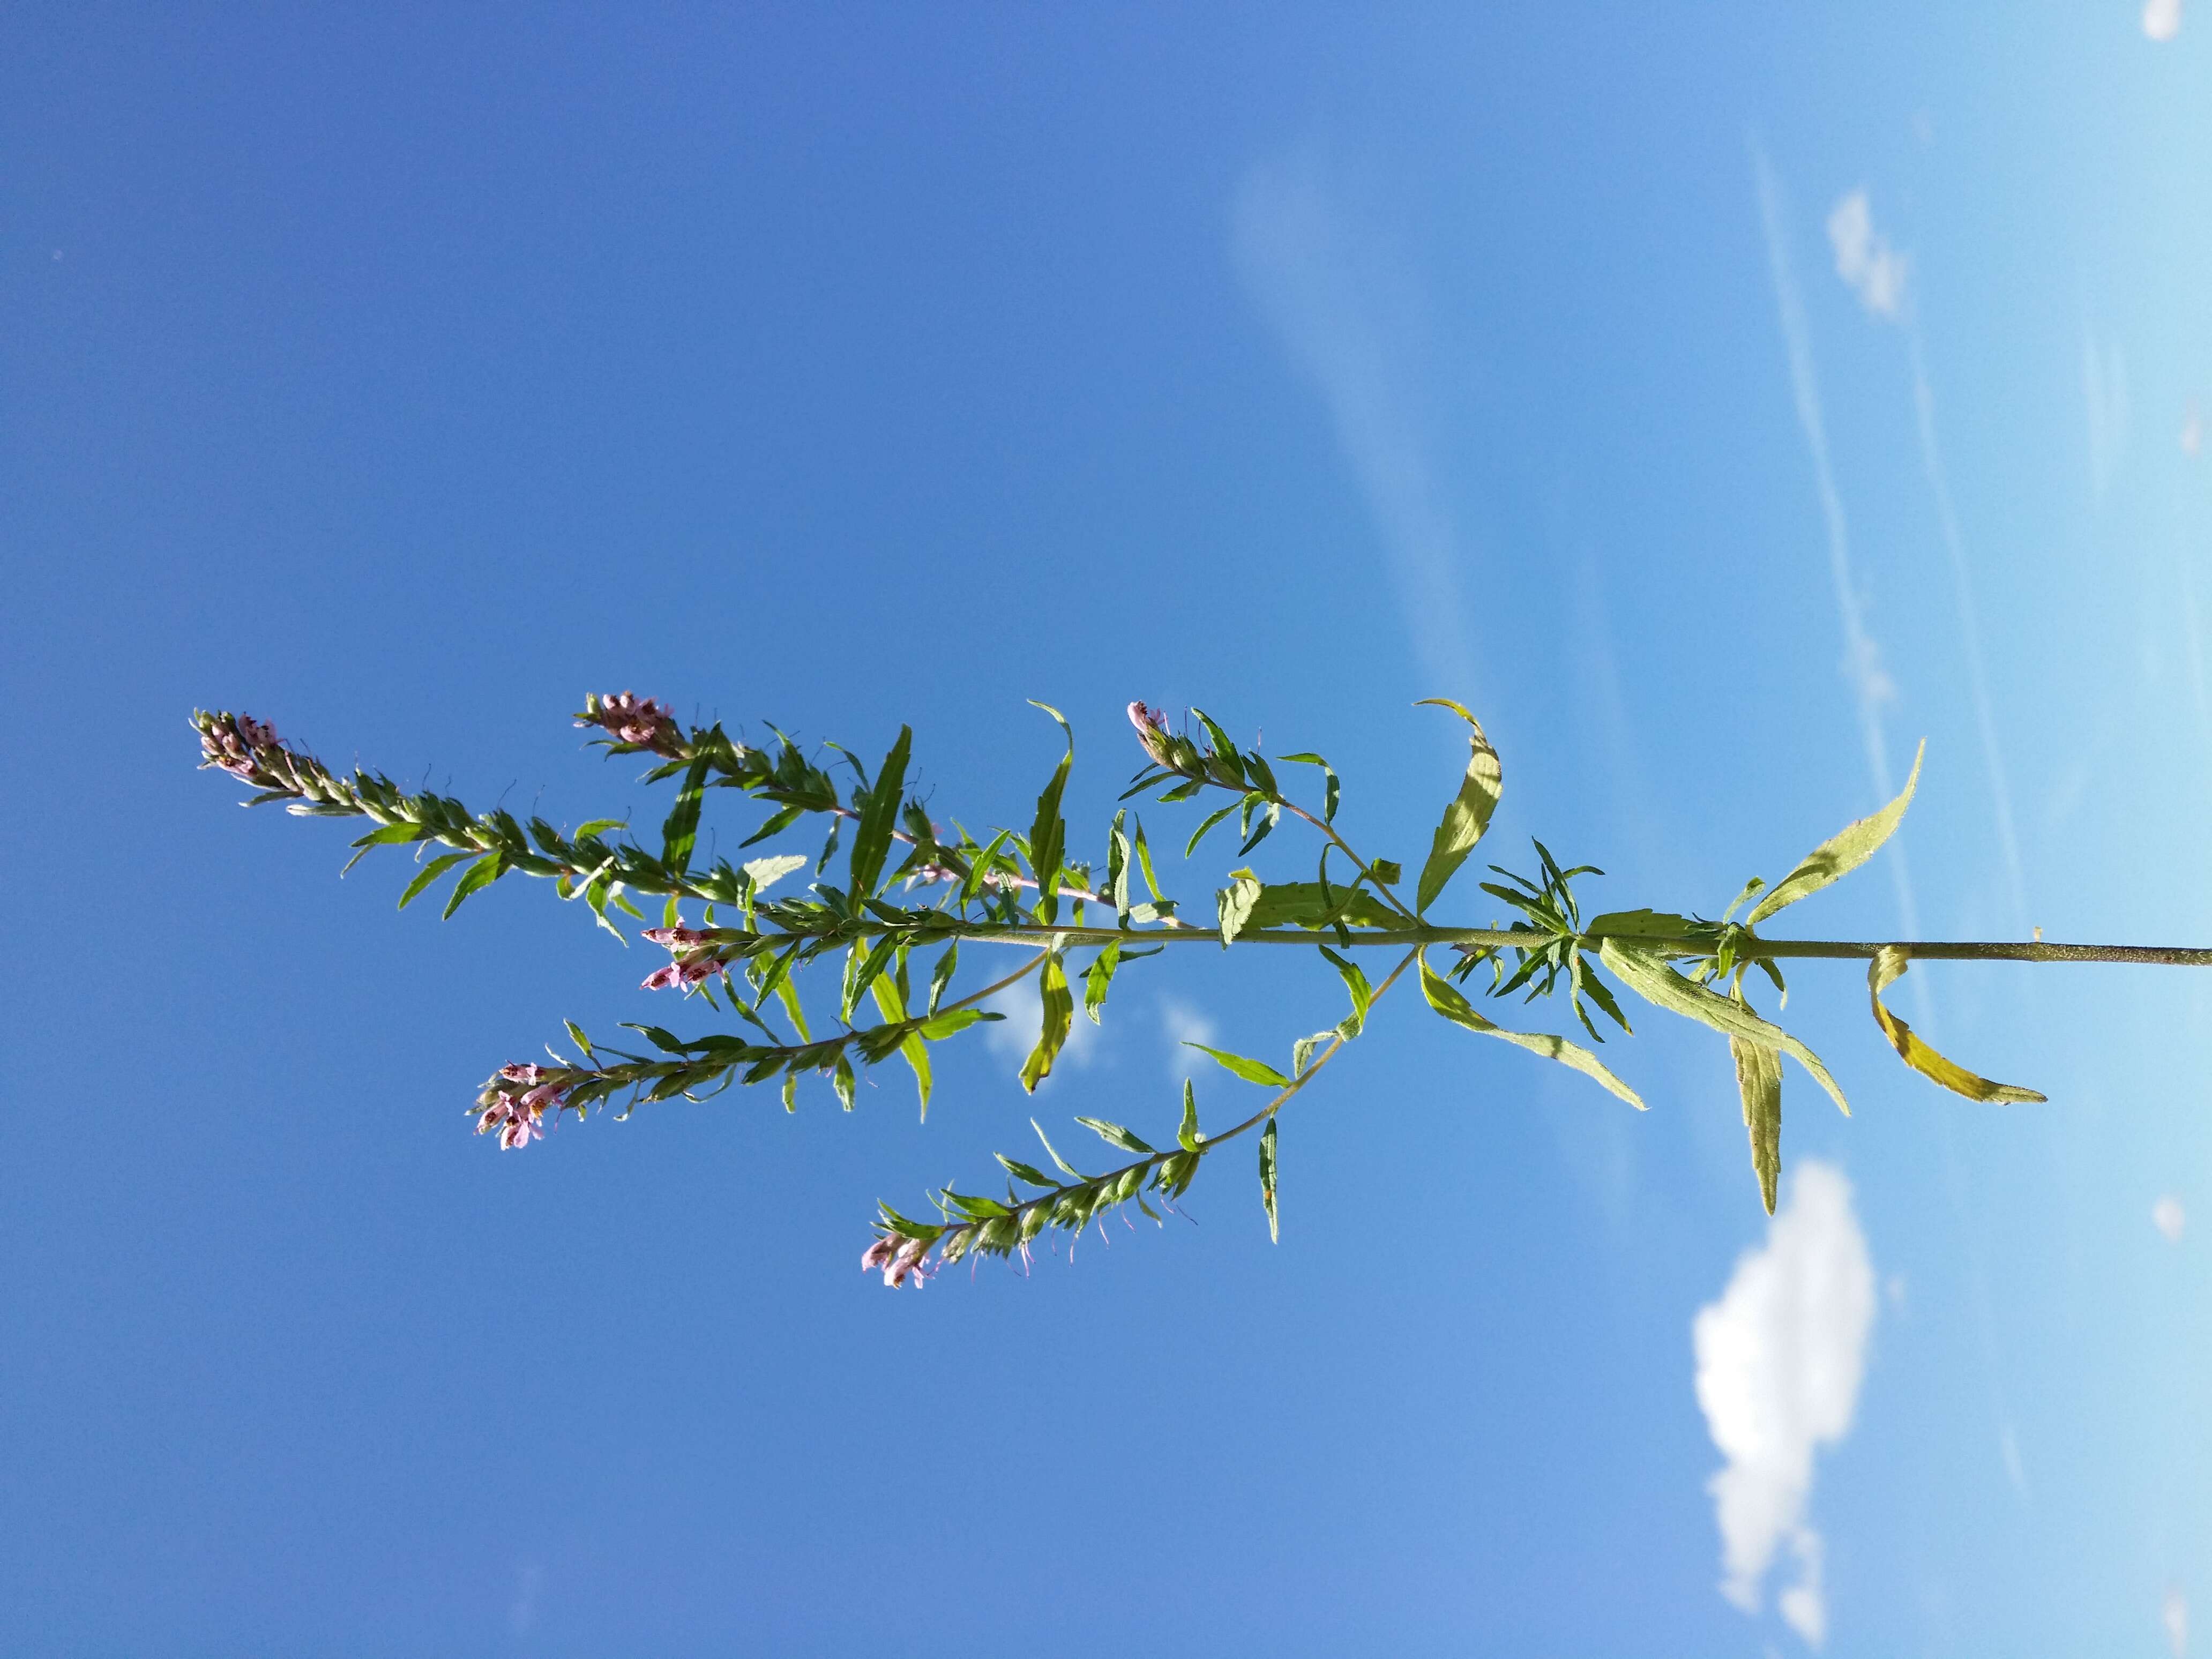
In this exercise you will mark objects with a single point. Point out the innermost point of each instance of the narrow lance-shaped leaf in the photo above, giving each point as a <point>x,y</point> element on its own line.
<point>1842,852</point>
<point>1267,1179</point>
<point>1887,967</point>
<point>1098,978</point>
<point>1356,985</point>
<point>1059,1007</point>
<point>879,807</point>
<point>1048,840</point>
<point>429,873</point>
<point>681,832</point>
<point>1446,999</point>
<point>1758,1080</point>
<point>1467,816</point>
<point>1188,1135</point>
<point>912,1045</point>
<point>484,872</point>
<point>1646,973</point>
<point>1252,1071</point>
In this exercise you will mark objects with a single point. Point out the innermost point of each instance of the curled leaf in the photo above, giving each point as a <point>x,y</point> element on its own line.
<point>1887,967</point>
<point>1267,1179</point>
<point>1759,1080</point>
<point>1467,816</point>
<point>1842,852</point>
<point>1058,1004</point>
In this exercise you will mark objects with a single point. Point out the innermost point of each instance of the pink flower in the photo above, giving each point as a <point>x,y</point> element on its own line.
<point>679,938</point>
<point>517,1113</point>
<point>679,974</point>
<point>900,1258</point>
<point>635,719</point>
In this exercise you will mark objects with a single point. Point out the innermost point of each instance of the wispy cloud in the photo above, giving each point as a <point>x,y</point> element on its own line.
<point>1346,315</point>
<point>2104,394</point>
<point>1878,274</point>
<point>1779,1358</point>
<point>1862,666</point>
<point>1182,1023</point>
<point>2173,1613</point>
<point>2161,19</point>
<point>1875,272</point>
<point>2169,1217</point>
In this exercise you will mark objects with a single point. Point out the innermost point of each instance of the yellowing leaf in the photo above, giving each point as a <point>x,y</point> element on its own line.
<point>1887,967</point>
<point>1759,1080</point>
<point>1842,852</point>
<point>1468,815</point>
<point>1646,973</point>
<point>1445,999</point>
<point>1059,1005</point>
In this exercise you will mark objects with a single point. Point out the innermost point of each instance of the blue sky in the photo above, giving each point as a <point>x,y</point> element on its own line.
<point>1716,408</point>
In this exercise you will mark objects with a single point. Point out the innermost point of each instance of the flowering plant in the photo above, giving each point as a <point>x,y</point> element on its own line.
<point>910,892</point>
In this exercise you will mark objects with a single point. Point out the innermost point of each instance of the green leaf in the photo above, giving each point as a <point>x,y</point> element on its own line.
<point>1059,1006</point>
<point>1329,787</point>
<point>766,872</point>
<point>840,1079</point>
<point>1048,843</point>
<point>940,1026</point>
<point>1467,816</point>
<point>576,1035</point>
<point>879,807</point>
<point>1115,1135</point>
<point>481,874</point>
<point>1235,904</point>
<point>940,976</point>
<point>828,845</point>
<point>1842,852</point>
<point>912,1046</point>
<point>1386,872</point>
<point>1252,1071</point>
<point>1021,1172</point>
<point>1058,1163</point>
<point>429,873</point>
<point>1224,751</point>
<point>1889,965</point>
<point>1302,1050</point>
<point>1646,973</point>
<point>681,832</point>
<point>1098,977</point>
<point>1267,1179</point>
<point>1213,818</point>
<point>1187,1136</point>
<point>1355,983</point>
<point>593,826</point>
<point>1445,999</point>
<point>1145,863</point>
<point>1758,1080</point>
<point>1302,904</point>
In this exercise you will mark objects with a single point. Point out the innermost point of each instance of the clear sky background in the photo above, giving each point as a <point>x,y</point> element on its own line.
<point>400,374</point>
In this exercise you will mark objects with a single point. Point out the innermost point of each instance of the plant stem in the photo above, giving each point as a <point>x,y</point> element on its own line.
<point>1753,948</point>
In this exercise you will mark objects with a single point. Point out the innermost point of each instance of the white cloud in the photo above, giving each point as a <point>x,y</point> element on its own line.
<point>2161,19</point>
<point>2168,1216</point>
<point>1349,317</point>
<point>1862,656</point>
<point>1012,1037</point>
<point>1865,259</point>
<point>1182,1023</point>
<point>2174,1615</point>
<point>2104,389</point>
<point>1779,1360</point>
<point>2192,432</point>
